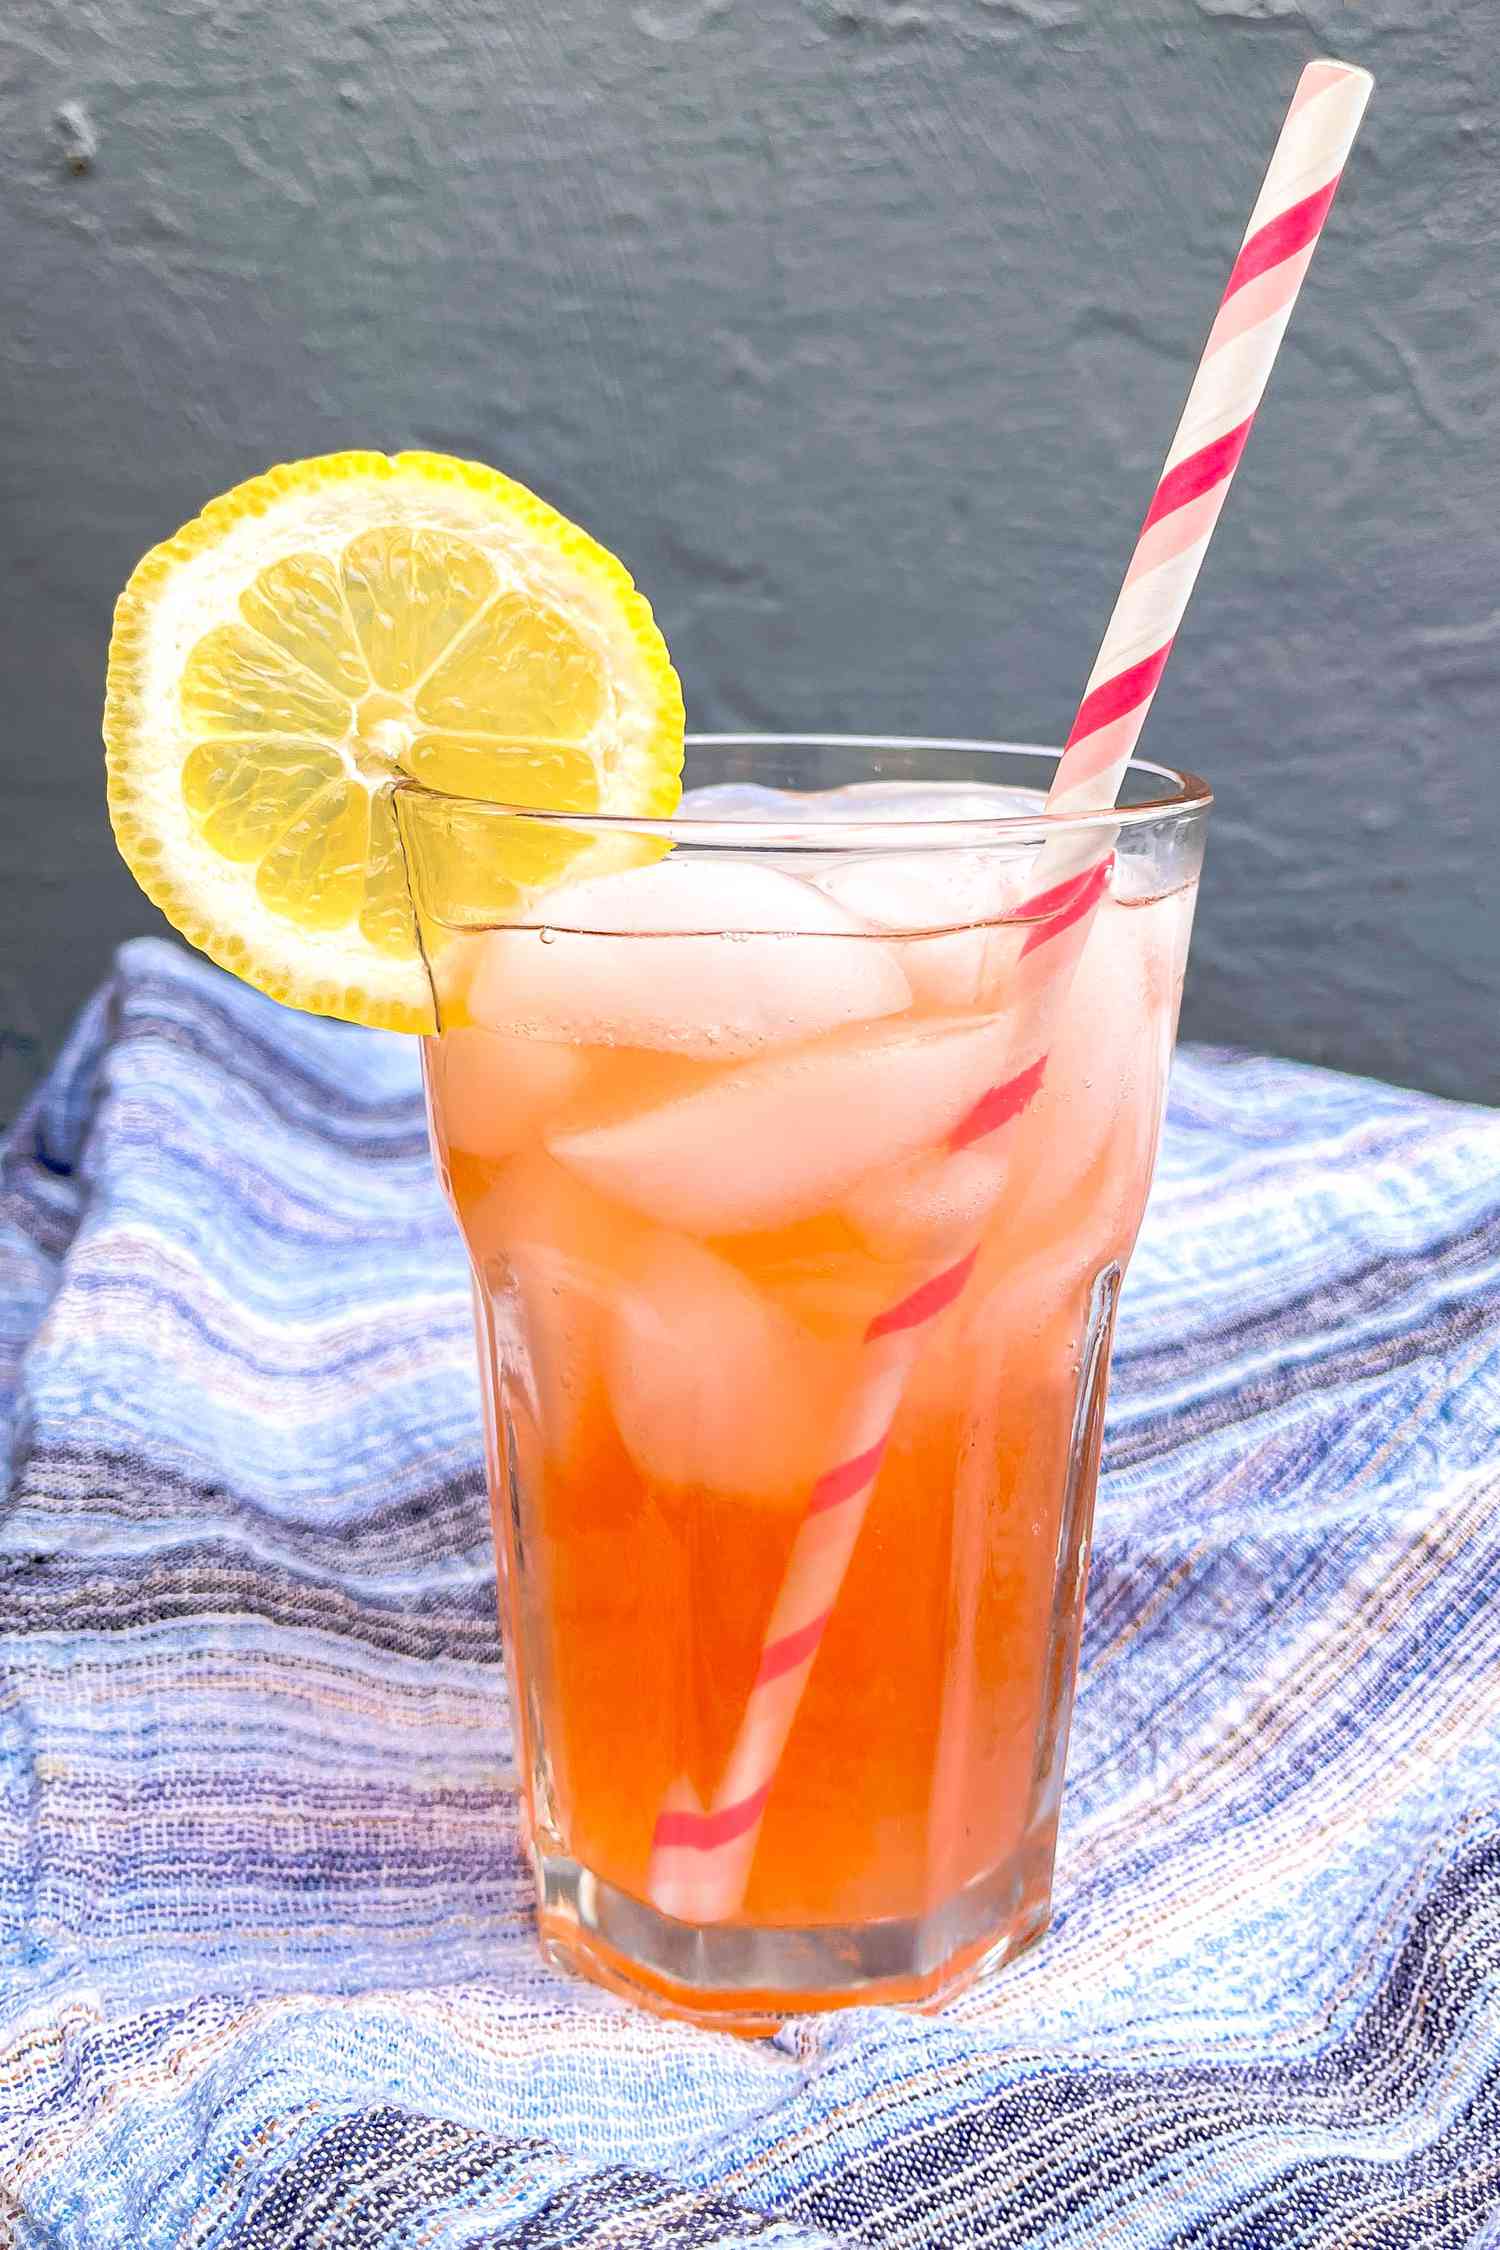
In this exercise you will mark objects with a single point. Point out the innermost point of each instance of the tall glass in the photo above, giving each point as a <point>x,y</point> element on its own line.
<point>796,1242</point>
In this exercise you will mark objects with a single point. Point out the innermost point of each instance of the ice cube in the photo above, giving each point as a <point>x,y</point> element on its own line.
<point>709,958</point>
<point>938,890</point>
<point>927,801</point>
<point>1090,1127</point>
<point>743,800</point>
<point>909,801</point>
<point>930,1204</point>
<point>1103,1058</point>
<point>552,1254</point>
<point>784,1139</point>
<point>492,1090</point>
<point>714,1387</point>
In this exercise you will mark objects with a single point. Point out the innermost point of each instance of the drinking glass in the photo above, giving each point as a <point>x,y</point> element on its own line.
<point>796,1245</point>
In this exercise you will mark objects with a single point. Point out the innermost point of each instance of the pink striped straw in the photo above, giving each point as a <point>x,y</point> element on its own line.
<point>1232,375</point>
<point>701,1858</point>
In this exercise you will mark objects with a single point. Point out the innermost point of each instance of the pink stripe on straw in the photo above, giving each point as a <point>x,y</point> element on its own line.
<point>925,1303</point>
<point>838,1485</point>
<point>1258,300</point>
<point>1226,392</point>
<point>1283,237</point>
<point>1053,900</point>
<point>1063,898</point>
<point>1173,535</point>
<point>1130,690</point>
<point>1316,79</point>
<point>704,1832</point>
<point>784,1655</point>
<point>1110,746</point>
<point>1211,465</point>
<point>1089,894</point>
<point>999,1105</point>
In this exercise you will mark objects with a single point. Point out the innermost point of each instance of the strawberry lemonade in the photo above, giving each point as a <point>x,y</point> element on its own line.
<point>799,1130</point>
<point>710,1123</point>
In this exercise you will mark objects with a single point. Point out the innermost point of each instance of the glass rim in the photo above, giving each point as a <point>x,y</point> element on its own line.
<point>1180,794</point>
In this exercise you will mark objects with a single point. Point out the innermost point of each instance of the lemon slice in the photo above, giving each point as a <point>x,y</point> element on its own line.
<point>337,626</point>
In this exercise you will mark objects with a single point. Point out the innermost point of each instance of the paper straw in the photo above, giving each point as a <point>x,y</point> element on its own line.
<point>1231,380</point>
<point>701,1858</point>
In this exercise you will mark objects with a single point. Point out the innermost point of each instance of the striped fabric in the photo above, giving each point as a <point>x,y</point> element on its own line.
<point>267,1979</point>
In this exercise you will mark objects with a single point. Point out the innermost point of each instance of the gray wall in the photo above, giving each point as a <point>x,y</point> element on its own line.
<point>858,327</point>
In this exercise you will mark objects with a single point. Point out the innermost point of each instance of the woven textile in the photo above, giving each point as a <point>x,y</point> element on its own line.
<point>267,1977</point>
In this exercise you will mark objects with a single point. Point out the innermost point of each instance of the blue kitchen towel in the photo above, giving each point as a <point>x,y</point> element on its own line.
<point>267,1973</point>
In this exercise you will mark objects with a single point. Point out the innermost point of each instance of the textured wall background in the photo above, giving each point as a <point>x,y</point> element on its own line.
<point>858,327</point>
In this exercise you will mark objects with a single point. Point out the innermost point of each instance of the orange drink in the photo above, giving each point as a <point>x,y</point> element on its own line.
<point>702,1130</point>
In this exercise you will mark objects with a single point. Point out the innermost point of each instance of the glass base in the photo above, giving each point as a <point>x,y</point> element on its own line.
<point>750,1978</point>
